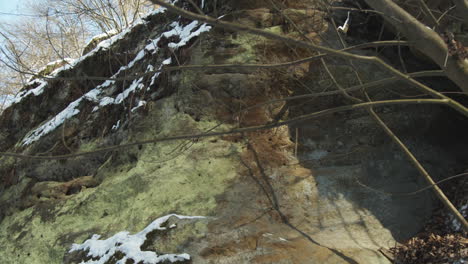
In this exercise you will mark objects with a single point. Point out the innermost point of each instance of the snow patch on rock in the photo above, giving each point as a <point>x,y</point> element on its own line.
<point>185,34</point>
<point>130,245</point>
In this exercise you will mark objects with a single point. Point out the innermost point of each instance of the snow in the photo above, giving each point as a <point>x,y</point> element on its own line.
<point>140,104</point>
<point>157,73</point>
<point>136,85</point>
<point>52,63</point>
<point>345,26</point>
<point>106,101</point>
<point>167,61</point>
<point>105,44</point>
<point>35,91</point>
<point>52,124</point>
<point>66,60</point>
<point>109,33</point>
<point>70,111</point>
<point>116,126</point>
<point>68,65</point>
<point>130,245</point>
<point>73,62</point>
<point>185,33</point>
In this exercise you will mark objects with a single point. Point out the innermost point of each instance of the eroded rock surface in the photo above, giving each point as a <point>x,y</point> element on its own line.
<point>291,194</point>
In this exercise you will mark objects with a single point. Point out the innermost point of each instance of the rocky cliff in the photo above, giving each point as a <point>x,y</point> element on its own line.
<point>107,171</point>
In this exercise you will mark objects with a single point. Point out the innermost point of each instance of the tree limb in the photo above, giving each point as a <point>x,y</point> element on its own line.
<point>425,40</point>
<point>233,131</point>
<point>270,35</point>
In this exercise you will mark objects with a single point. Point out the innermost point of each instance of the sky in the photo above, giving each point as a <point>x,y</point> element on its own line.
<point>9,6</point>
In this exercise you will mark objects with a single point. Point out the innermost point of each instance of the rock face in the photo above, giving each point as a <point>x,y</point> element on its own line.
<point>318,191</point>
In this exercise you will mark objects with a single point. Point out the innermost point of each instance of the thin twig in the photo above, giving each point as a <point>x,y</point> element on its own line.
<point>413,192</point>
<point>297,140</point>
<point>196,7</point>
<point>442,197</point>
<point>214,66</point>
<point>429,12</point>
<point>237,27</point>
<point>235,131</point>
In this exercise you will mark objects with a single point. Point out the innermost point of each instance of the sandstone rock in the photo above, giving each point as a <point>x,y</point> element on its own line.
<point>313,192</point>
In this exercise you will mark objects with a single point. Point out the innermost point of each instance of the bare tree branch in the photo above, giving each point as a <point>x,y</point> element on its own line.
<point>236,131</point>
<point>440,194</point>
<point>425,40</point>
<point>221,66</point>
<point>237,27</point>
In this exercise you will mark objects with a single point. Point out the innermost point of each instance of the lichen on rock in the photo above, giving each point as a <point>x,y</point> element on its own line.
<point>287,194</point>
